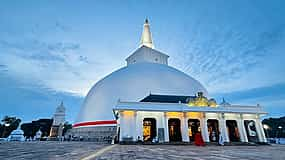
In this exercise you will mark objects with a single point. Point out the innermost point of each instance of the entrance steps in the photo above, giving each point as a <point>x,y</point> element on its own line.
<point>192,143</point>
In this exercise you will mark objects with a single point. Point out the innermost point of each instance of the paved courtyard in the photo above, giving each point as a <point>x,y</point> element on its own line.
<point>176,152</point>
<point>89,150</point>
<point>47,150</point>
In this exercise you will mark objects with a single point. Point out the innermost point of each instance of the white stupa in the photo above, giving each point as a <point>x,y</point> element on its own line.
<point>59,115</point>
<point>58,122</point>
<point>16,135</point>
<point>151,100</point>
<point>147,71</point>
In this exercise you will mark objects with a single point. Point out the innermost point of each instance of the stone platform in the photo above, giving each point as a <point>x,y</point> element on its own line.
<point>95,134</point>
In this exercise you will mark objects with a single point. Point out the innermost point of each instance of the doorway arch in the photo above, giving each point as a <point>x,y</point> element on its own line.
<point>193,128</point>
<point>149,129</point>
<point>251,130</point>
<point>233,130</point>
<point>174,128</point>
<point>213,130</point>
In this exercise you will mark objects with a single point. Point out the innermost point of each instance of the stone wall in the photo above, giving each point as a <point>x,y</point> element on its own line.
<point>103,134</point>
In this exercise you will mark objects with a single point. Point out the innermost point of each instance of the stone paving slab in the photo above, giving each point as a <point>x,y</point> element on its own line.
<point>183,152</point>
<point>79,150</point>
<point>47,150</point>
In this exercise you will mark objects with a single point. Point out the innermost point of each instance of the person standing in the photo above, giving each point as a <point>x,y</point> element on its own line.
<point>221,140</point>
<point>199,140</point>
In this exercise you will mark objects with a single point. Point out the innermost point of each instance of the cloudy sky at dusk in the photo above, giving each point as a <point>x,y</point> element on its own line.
<point>53,51</point>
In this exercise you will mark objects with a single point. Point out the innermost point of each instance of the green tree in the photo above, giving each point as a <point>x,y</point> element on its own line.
<point>30,129</point>
<point>66,127</point>
<point>276,127</point>
<point>9,124</point>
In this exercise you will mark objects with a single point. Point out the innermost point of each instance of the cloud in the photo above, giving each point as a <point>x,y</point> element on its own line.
<point>266,93</point>
<point>271,98</point>
<point>3,68</point>
<point>51,55</point>
<point>29,101</point>
<point>222,53</point>
<point>35,49</point>
<point>62,27</point>
<point>60,65</point>
<point>223,48</point>
<point>234,48</point>
<point>49,63</point>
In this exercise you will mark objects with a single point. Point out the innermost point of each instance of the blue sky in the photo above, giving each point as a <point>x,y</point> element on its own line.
<point>56,50</point>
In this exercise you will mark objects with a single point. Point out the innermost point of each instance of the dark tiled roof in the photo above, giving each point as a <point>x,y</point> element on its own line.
<point>167,98</point>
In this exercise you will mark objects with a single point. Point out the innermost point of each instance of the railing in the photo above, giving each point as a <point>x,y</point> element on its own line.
<point>240,107</point>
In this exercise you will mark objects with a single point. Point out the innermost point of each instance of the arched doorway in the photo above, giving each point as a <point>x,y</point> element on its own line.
<point>233,130</point>
<point>251,131</point>
<point>174,130</point>
<point>193,128</point>
<point>213,129</point>
<point>149,129</point>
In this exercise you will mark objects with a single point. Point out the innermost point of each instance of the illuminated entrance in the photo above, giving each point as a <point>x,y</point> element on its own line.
<point>213,129</point>
<point>174,130</point>
<point>149,129</point>
<point>193,128</point>
<point>251,130</point>
<point>233,130</point>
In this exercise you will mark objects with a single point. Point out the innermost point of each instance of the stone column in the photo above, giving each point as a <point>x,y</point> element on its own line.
<point>128,125</point>
<point>139,126</point>
<point>121,114</point>
<point>241,129</point>
<point>166,132</point>
<point>204,128</point>
<point>223,127</point>
<point>135,127</point>
<point>184,127</point>
<point>259,129</point>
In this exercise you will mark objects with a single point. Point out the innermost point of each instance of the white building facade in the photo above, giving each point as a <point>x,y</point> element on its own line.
<point>235,123</point>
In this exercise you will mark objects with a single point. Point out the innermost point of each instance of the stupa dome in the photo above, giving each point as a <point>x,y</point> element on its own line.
<point>133,83</point>
<point>147,71</point>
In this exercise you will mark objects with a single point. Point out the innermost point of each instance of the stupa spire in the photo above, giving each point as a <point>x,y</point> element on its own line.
<point>146,39</point>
